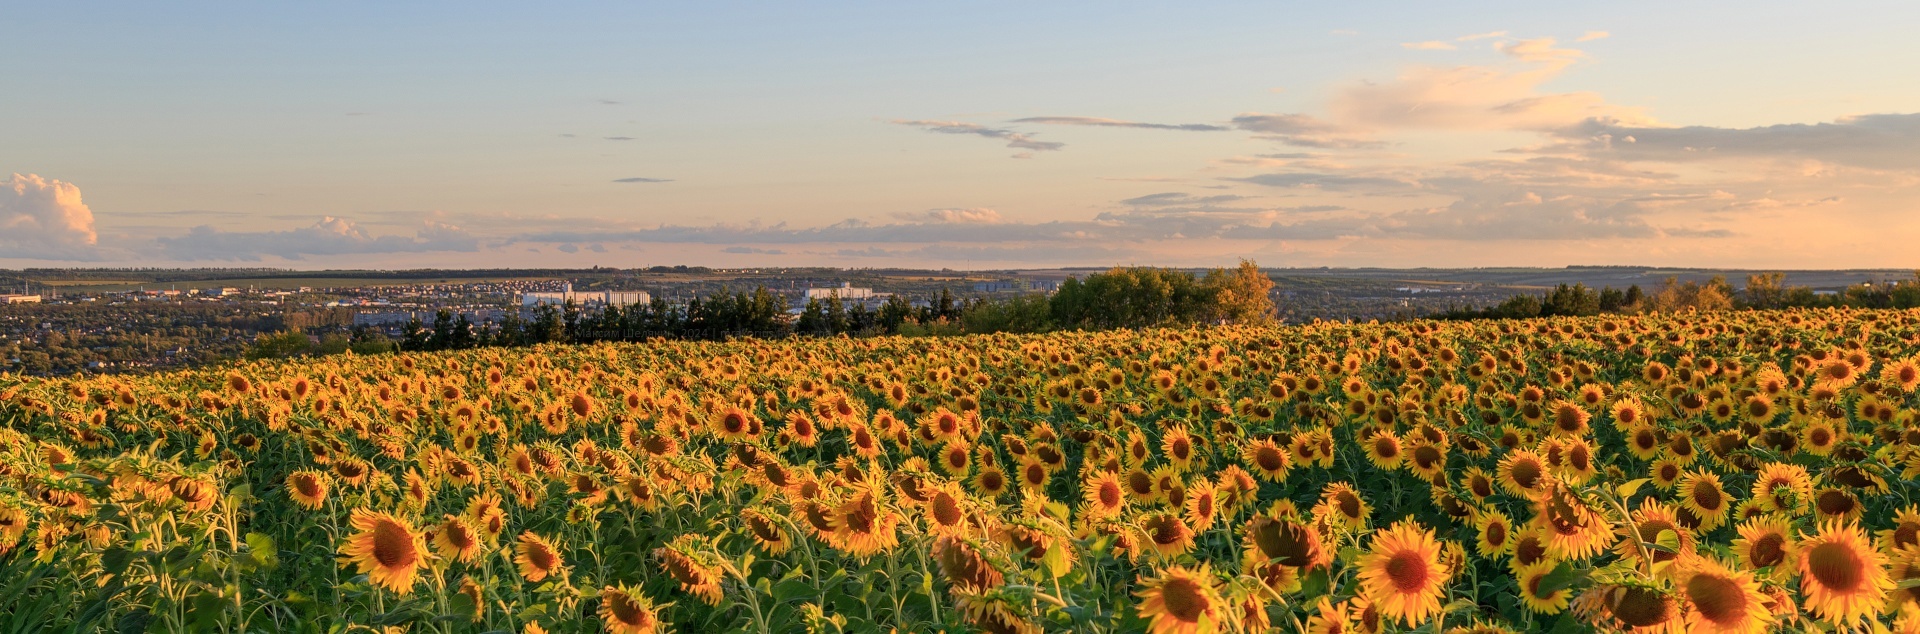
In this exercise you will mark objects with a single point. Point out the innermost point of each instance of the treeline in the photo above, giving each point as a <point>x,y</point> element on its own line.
<point>1763,291</point>
<point>1132,297</point>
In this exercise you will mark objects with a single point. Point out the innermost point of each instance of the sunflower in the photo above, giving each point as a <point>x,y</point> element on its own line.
<point>1181,600</point>
<point>1178,446</point>
<point>1643,442</point>
<point>689,566</point>
<point>1167,533</point>
<point>1383,449</point>
<point>1783,487</point>
<point>1651,521</point>
<point>1329,618</point>
<point>1843,578</point>
<point>1720,600</point>
<point>309,488</point>
<point>1267,460</point>
<point>766,532</point>
<point>536,557</point>
<point>964,564</point>
<point>1283,541</point>
<point>627,611</point>
<point>864,524</point>
<point>1104,495</point>
<point>1426,460</point>
<point>1905,531</point>
<point>456,538</point>
<point>1343,506</point>
<point>1538,599</point>
<point>1819,437</point>
<point>1496,534</point>
<point>1523,473</point>
<point>1763,545</point>
<point>385,548</point>
<point>1478,483</point>
<point>995,610</point>
<point>1636,609</point>
<point>1701,495</point>
<point>1570,528</point>
<point>1834,503</point>
<point>1203,504</point>
<point>990,482</point>
<point>1402,574</point>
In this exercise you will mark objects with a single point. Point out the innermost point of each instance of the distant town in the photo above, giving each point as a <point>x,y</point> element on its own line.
<point>59,321</point>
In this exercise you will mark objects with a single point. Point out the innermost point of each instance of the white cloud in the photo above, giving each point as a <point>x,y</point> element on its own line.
<point>1430,45</point>
<point>328,236</point>
<point>1594,35</point>
<point>1481,36</point>
<point>45,219</point>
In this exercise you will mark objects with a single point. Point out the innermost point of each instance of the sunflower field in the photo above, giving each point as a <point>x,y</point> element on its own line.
<point>1710,472</point>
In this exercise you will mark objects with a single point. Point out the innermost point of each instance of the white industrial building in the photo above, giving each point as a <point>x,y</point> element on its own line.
<point>584,299</point>
<point>845,291</point>
<point>19,299</point>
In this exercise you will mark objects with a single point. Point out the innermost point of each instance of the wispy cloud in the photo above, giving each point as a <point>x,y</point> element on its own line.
<point>641,179</point>
<point>1116,123</point>
<point>618,138</point>
<point>1014,139</point>
<point>1593,35</point>
<point>1430,45</point>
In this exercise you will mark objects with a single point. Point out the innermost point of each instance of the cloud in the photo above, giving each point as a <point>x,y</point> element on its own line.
<point>1303,130</point>
<point>1014,139</point>
<point>975,215</point>
<point>1430,45</point>
<point>42,218</point>
<point>1478,97</point>
<point>607,102</point>
<point>618,138</point>
<point>753,251</point>
<point>1172,199</point>
<point>642,179</point>
<point>1874,141</point>
<point>1593,35</point>
<point>329,236</point>
<point>1481,36</point>
<point>1116,123</point>
<point>1330,182</point>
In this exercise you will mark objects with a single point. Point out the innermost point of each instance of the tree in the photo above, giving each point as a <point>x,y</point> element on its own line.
<point>895,311</point>
<point>813,319</point>
<point>1243,295</point>
<point>279,345</point>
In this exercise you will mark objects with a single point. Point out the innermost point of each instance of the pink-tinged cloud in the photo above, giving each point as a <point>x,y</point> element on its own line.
<point>44,218</point>
<point>1480,97</point>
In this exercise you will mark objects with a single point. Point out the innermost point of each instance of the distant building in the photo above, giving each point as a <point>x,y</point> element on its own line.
<point>1017,286</point>
<point>584,299</point>
<point>19,299</point>
<point>845,291</point>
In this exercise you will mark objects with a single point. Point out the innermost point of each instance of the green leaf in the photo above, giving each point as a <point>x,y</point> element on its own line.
<point>1562,577</point>
<point>791,589</point>
<point>1628,488</point>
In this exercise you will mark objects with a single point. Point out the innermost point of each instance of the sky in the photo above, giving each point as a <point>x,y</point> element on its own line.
<point>971,136</point>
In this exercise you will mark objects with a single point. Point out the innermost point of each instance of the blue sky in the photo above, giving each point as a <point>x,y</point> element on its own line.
<point>981,135</point>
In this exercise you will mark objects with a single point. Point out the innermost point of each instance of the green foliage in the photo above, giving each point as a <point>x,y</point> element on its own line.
<point>281,345</point>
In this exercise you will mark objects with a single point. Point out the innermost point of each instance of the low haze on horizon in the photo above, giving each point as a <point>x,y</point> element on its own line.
<point>1776,135</point>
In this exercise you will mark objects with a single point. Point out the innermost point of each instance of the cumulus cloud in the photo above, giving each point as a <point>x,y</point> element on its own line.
<point>329,236</point>
<point>42,218</point>
<point>1014,139</point>
<point>1116,123</point>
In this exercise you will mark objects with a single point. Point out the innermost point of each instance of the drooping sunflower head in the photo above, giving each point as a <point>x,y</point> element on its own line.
<point>537,558</point>
<point>626,611</point>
